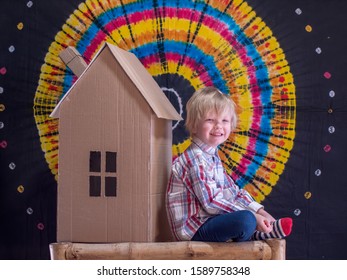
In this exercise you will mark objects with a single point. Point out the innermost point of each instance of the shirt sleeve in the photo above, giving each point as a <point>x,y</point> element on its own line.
<point>241,196</point>
<point>255,206</point>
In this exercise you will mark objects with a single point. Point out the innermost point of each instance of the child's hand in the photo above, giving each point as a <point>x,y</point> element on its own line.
<point>266,215</point>
<point>263,224</point>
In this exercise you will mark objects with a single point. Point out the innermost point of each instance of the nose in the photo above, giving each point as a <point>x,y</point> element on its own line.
<point>218,124</point>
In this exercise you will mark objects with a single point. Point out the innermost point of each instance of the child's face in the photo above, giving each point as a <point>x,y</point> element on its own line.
<point>214,128</point>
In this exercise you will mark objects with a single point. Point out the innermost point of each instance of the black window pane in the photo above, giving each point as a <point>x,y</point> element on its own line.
<point>111,162</point>
<point>95,161</point>
<point>110,186</point>
<point>94,186</point>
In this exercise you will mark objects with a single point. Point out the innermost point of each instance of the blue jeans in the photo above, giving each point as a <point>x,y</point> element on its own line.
<point>235,226</point>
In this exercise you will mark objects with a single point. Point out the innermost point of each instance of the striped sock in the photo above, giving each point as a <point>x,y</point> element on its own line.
<point>281,229</point>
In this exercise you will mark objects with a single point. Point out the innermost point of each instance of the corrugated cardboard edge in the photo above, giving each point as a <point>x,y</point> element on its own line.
<point>146,84</point>
<point>56,112</point>
<point>150,90</point>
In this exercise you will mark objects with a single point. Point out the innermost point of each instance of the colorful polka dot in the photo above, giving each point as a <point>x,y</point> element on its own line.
<point>327,75</point>
<point>3,70</point>
<point>318,172</point>
<point>40,226</point>
<point>298,11</point>
<point>12,165</point>
<point>308,28</point>
<point>327,148</point>
<point>3,144</point>
<point>20,26</point>
<point>20,189</point>
<point>308,195</point>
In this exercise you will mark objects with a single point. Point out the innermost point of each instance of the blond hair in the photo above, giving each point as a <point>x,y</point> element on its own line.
<point>205,100</point>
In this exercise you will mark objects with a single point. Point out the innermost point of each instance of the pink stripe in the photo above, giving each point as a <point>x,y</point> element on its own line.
<point>189,62</point>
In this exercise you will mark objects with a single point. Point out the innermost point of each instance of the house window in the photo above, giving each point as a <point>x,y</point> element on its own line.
<point>95,185</point>
<point>108,177</point>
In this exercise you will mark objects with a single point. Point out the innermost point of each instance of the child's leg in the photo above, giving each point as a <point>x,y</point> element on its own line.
<point>236,226</point>
<point>281,229</point>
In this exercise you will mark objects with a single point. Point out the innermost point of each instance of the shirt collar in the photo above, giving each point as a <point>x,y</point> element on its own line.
<point>204,147</point>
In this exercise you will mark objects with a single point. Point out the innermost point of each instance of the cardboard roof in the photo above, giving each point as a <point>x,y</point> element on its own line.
<point>145,83</point>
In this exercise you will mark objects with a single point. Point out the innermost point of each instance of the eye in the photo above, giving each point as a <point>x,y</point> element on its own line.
<point>209,120</point>
<point>226,121</point>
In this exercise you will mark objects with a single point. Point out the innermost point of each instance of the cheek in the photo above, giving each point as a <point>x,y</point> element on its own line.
<point>195,128</point>
<point>227,129</point>
<point>206,128</point>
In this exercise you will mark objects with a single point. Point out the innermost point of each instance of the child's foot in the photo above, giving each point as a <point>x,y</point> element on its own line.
<point>281,229</point>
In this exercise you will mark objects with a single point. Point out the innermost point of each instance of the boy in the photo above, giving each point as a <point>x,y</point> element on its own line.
<point>203,202</point>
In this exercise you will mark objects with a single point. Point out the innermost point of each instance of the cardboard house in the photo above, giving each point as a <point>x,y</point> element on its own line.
<point>115,138</point>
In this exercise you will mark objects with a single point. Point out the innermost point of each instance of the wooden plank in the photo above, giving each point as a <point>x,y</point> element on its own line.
<point>278,248</point>
<point>185,250</point>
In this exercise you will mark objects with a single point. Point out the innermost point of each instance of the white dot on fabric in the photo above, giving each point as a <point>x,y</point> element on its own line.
<point>298,11</point>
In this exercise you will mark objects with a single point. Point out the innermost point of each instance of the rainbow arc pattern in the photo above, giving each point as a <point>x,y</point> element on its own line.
<point>186,45</point>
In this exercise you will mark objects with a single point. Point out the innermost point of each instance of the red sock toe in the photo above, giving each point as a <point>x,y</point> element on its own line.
<point>286,225</point>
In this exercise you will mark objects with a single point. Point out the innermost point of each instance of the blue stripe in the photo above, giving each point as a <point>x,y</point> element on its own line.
<point>193,53</point>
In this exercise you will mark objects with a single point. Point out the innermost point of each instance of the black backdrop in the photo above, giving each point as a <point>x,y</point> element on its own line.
<point>315,167</point>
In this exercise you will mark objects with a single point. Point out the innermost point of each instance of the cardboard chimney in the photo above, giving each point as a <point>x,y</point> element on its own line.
<point>115,138</point>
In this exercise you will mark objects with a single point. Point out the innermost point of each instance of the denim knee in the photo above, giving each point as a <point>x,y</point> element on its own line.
<point>237,226</point>
<point>249,223</point>
<point>249,217</point>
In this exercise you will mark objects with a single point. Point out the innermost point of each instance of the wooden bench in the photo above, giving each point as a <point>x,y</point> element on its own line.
<point>272,249</point>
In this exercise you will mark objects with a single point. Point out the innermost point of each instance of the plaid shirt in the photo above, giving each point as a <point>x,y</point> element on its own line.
<point>199,188</point>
